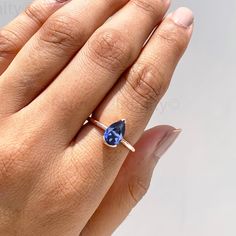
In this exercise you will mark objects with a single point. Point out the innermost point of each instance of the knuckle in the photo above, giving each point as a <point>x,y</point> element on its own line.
<point>85,168</point>
<point>137,188</point>
<point>174,38</point>
<point>8,42</point>
<point>66,185</point>
<point>34,12</point>
<point>61,188</point>
<point>109,49</point>
<point>61,32</point>
<point>146,82</point>
<point>13,161</point>
<point>150,7</point>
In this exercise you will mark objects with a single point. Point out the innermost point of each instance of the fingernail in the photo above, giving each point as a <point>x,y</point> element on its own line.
<point>166,142</point>
<point>183,17</point>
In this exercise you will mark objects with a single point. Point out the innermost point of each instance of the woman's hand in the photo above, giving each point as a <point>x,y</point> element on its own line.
<point>60,62</point>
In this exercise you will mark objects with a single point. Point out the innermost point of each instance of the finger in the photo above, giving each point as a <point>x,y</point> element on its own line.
<point>134,98</point>
<point>50,49</point>
<point>14,35</point>
<point>132,181</point>
<point>96,68</point>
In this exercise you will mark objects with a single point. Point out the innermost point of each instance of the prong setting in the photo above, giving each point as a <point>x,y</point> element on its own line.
<point>114,134</point>
<point>111,146</point>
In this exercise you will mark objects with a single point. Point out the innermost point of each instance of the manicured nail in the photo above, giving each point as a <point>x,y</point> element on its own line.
<point>183,17</point>
<point>166,142</point>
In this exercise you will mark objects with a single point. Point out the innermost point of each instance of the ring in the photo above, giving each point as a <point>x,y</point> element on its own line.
<point>113,134</point>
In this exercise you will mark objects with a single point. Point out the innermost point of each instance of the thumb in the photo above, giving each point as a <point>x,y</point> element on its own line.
<point>155,142</point>
<point>139,166</point>
<point>132,181</point>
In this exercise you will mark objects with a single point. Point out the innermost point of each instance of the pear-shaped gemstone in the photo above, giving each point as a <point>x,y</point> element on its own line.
<point>115,133</point>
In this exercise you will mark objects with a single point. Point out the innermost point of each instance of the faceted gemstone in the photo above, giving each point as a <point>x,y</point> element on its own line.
<point>115,133</point>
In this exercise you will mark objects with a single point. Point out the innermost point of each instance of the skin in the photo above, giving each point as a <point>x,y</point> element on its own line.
<point>59,63</point>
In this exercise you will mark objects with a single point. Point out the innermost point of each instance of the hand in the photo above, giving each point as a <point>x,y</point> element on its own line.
<point>60,62</point>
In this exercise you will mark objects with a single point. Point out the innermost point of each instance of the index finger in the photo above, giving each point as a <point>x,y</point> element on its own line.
<point>15,35</point>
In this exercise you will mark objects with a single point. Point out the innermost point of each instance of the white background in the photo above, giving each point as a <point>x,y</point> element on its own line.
<point>193,190</point>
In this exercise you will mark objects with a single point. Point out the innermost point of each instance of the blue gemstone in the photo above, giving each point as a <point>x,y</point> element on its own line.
<point>115,133</point>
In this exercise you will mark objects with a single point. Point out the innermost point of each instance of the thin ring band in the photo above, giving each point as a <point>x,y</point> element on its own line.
<point>104,127</point>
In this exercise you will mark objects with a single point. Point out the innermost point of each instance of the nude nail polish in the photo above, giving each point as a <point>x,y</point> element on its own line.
<point>183,17</point>
<point>166,142</point>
